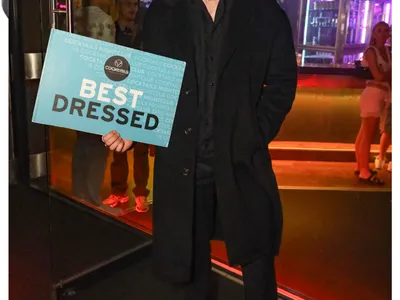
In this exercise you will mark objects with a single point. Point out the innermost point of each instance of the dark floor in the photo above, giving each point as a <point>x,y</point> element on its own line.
<point>138,282</point>
<point>41,255</point>
<point>336,244</point>
<point>29,240</point>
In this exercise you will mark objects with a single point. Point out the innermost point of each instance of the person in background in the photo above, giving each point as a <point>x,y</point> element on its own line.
<point>128,29</point>
<point>386,139</point>
<point>91,21</point>
<point>128,35</point>
<point>386,127</point>
<point>215,179</point>
<point>373,100</point>
<point>90,156</point>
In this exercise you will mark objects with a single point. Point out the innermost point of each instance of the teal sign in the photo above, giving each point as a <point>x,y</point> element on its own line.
<point>94,86</point>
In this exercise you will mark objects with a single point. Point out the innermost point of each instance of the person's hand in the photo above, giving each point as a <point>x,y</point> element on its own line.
<point>114,141</point>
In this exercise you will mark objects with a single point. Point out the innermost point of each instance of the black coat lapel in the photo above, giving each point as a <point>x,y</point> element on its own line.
<point>181,30</point>
<point>239,18</point>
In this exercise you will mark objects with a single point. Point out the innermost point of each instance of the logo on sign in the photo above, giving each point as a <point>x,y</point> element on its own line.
<point>118,63</point>
<point>117,68</point>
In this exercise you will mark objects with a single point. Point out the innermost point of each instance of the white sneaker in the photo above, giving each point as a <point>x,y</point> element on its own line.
<point>389,168</point>
<point>379,163</point>
<point>141,204</point>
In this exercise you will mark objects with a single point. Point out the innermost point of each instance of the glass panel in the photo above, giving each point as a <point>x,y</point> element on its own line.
<point>292,9</point>
<point>314,57</point>
<point>318,28</point>
<point>80,166</point>
<point>82,169</point>
<point>320,22</point>
<point>350,59</point>
<point>382,11</point>
<point>358,22</point>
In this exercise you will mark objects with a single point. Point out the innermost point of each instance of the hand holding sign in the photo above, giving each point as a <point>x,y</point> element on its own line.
<point>114,142</point>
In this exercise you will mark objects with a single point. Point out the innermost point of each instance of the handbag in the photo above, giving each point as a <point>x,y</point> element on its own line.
<point>362,72</point>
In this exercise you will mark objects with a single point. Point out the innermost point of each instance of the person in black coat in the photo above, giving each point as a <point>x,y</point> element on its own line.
<point>215,180</point>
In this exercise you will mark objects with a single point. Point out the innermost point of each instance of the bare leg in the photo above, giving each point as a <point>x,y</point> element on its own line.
<point>357,148</point>
<point>384,145</point>
<point>369,129</point>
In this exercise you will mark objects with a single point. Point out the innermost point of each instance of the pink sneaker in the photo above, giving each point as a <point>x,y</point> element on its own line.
<point>141,204</point>
<point>113,200</point>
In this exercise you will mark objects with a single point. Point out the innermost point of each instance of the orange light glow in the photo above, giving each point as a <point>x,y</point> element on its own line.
<point>238,272</point>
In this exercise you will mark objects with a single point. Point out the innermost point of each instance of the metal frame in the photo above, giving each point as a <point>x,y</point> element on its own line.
<point>54,11</point>
<point>341,30</point>
<point>18,94</point>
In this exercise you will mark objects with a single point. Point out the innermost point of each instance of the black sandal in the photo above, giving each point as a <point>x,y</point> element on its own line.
<point>373,172</point>
<point>372,180</point>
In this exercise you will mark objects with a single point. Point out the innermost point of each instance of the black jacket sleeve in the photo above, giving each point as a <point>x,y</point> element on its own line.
<point>279,84</point>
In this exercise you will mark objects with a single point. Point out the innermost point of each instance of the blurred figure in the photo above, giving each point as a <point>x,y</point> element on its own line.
<point>128,35</point>
<point>373,100</point>
<point>386,139</point>
<point>91,21</point>
<point>90,156</point>
<point>386,127</point>
<point>128,29</point>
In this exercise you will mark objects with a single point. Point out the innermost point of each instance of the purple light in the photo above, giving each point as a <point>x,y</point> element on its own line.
<point>364,25</point>
<point>61,6</point>
<point>387,13</point>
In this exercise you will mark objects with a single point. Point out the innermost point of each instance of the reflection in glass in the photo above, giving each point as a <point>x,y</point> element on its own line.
<point>89,155</point>
<point>321,22</point>
<point>81,166</point>
<point>128,34</point>
<point>312,57</point>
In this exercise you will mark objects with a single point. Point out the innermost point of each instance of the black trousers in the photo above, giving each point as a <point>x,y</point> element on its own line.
<point>120,171</point>
<point>258,276</point>
<point>88,166</point>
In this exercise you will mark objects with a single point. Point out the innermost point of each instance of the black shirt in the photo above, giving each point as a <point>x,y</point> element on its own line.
<point>207,41</point>
<point>128,37</point>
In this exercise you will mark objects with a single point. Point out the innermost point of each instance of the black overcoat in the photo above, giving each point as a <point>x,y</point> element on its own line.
<point>255,91</point>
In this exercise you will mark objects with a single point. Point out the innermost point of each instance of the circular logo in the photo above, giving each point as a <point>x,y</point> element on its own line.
<point>118,63</point>
<point>117,68</point>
